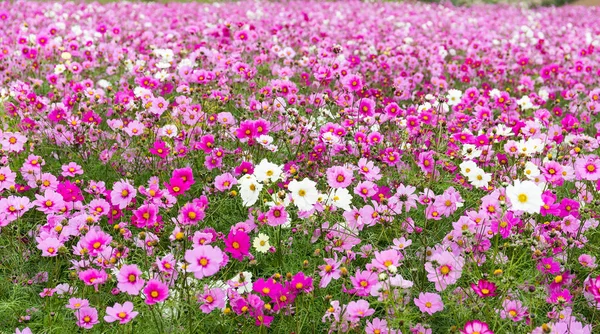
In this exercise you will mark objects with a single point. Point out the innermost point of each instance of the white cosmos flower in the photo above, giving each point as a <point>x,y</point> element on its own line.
<point>468,167</point>
<point>330,138</point>
<point>525,103</point>
<point>242,282</point>
<point>479,178</point>
<point>503,130</point>
<point>168,130</point>
<point>60,68</point>
<point>266,170</point>
<point>530,146</point>
<point>453,97</point>
<point>249,189</point>
<point>470,151</point>
<point>531,170</point>
<point>341,198</point>
<point>264,140</point>
<point>525,196</point>
<point>261,243</point>
<point>304,193</point>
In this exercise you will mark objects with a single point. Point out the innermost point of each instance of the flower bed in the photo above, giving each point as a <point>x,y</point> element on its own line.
<point>298,167</point>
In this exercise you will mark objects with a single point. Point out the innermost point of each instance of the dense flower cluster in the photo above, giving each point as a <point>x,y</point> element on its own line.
<point>303,166</point>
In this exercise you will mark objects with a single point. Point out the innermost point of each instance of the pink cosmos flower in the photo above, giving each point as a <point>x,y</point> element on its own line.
<point>330,270</point>
<point>368,170</point>
<point>204,260</point>
<point>405,198</point>
<point>49,246</point>
<point>134,128</point>
<point>383,260</point>
<point>155,291</point>
<point>71,170</point>
<point>447,269</point>
<point>12,141</point>
<point>514,310</point>
<point>359,309</point>
<point>177,187</point>
<point>69,191</point>
<point>571,327</point>
<point>339,177</point>
<point>87,317</point>
<point>99,207</point>
<point>420,329</point>
<point>145,216</point>
<point>211,299</point>
<point>166,264</point>
<point>225,181</point>
<point>277,215</point>
<point>95,241</point>
<point>588,167</point>
<point>47,292</point>
<point>363,282</point>
<point>569,207</point>
<point>121,313</point>
<point>7,178</point>
<point>77,303</point>
<point>377,326</point>
<point>429,302</point>
<point>426,162</point>
<point>185,175</point>
<point>550,206</point>
<point>587,260</point>
<point>476,327</point>
<point>50,202</point>
<point>365,189</point>
<point>122,194</point>
<point>129,279</point>
<point>301,282</point>
<point>353,83</point>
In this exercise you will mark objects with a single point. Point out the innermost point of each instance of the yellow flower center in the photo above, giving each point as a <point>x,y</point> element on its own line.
<point>445,270</point>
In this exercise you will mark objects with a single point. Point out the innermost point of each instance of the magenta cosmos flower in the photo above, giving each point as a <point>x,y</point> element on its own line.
<point>204,260</point>
<point>121,313</point>
<point>156,291</point>
<point>237,244</point>
<point>484,288</point>
<point>429,302</point>
<point>93,277</point>
<point>476,327</point>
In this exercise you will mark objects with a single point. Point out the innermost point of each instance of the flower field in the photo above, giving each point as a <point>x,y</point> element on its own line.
<point>302,167</point>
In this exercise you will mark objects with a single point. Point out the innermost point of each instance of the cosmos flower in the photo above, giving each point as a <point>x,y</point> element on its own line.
<point>525,196</point>
<point>122,313</point>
